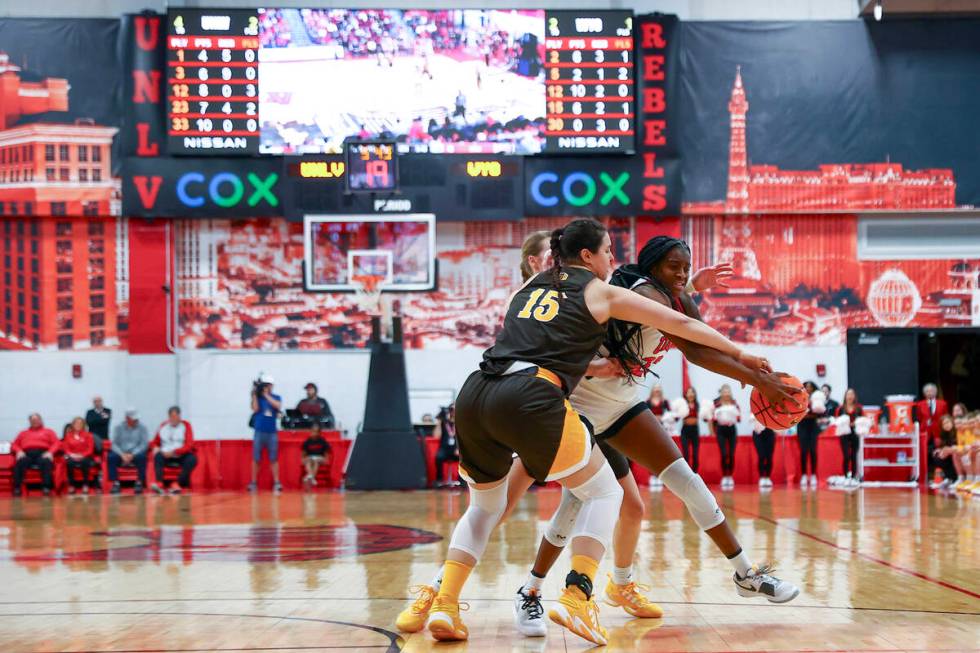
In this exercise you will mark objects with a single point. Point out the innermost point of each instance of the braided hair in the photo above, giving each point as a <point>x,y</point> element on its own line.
<point>624,340</point>
<point>568,242</point>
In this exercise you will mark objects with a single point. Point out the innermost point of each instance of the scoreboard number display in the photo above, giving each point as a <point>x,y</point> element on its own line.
<point>212,81</point>
<point>372,166</point>
<point>589,81</point>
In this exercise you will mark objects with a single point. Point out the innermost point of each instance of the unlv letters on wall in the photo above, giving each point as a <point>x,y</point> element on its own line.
<point>142,130</point>
<point>658,145</point>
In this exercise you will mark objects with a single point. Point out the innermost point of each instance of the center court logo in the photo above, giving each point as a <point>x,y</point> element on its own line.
<point>240,543</point>
<point>580,188</point>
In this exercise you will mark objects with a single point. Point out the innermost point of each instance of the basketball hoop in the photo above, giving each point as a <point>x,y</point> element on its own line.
<point>367,288</point>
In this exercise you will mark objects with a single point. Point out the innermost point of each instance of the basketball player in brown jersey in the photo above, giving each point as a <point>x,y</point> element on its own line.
<point>609,402</point>
<point>624,426</point>
<point>517,403</point>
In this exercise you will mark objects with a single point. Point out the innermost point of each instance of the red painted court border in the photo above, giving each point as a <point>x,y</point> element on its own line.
<point>902,570</point>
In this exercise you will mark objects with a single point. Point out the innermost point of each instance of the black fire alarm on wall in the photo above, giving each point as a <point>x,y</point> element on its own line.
<point>76,371</point>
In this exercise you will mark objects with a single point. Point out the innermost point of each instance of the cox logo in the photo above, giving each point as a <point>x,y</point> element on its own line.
<point>226,189</point>
<point>579,188</point>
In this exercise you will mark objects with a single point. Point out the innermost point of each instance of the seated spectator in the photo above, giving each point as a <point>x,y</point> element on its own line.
<point>316,452</point>
<point>448,446</point>
<point>966,454</point>
<point>941,454</point>
<point>34,447</point>
<point>173,446</point>
<point>129,444</point>
<point>97,419</point>
<point>315,408</point>
<point>79,448</point>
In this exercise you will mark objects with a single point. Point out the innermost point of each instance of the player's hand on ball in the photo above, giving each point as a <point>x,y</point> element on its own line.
<point>755,363</point>
<point>716,275</point>
<point>781,396</point>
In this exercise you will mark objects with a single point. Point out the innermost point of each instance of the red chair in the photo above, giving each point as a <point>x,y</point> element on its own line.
<point>170,475</point>
<point>324,474</point>
<point>95,473</point>
<point>33,481</point>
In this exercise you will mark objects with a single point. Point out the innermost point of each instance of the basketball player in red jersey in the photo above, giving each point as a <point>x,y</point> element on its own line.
<point>516,402</point>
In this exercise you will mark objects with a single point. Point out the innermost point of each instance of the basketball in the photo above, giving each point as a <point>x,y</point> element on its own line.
<point>780,421</point>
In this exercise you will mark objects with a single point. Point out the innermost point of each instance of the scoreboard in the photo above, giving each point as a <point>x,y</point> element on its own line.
<point>212,81</point>
<point>589,81</point>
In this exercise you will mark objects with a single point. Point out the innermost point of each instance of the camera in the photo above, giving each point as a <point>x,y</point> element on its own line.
<point>261,384</point>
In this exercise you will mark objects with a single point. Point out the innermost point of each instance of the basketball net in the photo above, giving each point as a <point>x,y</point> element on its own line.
<point>367,288</point>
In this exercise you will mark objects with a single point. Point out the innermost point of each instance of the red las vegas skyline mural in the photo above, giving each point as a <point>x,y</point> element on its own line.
<point>763,188</point>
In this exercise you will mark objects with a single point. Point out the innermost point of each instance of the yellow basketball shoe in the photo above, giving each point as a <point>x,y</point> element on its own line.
<point>579,615</point>
<point>444,622</point>
<point>629,598</point>
<point>412,619</point>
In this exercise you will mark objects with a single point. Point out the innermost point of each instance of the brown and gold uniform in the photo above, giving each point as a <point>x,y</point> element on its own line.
<point>517,401</point>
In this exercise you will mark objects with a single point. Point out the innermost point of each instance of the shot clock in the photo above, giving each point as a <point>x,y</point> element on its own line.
<point>372,166</point>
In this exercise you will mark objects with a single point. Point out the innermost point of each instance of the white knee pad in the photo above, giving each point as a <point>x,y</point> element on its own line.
<point>563,521</point>
<point>601,498</point>
<point>690,488</point>
<point>473,530</point>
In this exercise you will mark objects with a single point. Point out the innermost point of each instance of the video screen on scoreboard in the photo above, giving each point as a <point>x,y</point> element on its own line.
<point>398,249</point>
<point>457,81</point>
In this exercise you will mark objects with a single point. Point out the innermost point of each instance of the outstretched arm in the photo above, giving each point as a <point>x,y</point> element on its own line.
<point>721,363</point>
<point>627,305</point>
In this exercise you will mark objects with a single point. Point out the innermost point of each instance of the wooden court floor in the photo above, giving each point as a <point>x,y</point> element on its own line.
<point>881,570</point>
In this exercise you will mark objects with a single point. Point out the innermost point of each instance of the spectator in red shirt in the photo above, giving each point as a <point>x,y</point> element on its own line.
<point>34,447</point>
<point>173,446</point>
<point>79,447</point>
<point>929,411</point>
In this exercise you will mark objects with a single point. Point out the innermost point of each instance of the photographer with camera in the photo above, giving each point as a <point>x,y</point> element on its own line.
<point>265,411</point>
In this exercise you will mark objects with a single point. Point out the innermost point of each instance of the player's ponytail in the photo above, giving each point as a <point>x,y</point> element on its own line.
<point>556,257</point>
<point>568,242</point>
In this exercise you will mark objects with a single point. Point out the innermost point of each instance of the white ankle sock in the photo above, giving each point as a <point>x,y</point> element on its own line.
<point>437,581</point>
<point>533,583</point>
<point>622,575</point>
<point>741,564</point>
